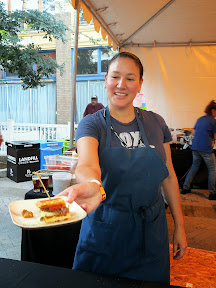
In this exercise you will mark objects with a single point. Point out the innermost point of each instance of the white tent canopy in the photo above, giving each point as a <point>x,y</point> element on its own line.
<point>176,42</point>
<point>142,22</point>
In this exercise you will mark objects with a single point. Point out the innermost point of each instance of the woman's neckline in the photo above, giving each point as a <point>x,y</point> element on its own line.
<point>124,116</point>
<point>122,123</point>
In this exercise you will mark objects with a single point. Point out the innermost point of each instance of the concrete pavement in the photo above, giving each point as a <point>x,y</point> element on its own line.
<point>10,236</point>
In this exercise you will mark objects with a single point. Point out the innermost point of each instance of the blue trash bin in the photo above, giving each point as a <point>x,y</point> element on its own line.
<point>49,147</point>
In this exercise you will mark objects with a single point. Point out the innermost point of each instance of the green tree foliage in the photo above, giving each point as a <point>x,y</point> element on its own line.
<point>14,56</point>
<point>49,6</point>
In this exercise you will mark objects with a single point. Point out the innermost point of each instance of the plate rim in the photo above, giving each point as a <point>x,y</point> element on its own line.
<point>51,225</point>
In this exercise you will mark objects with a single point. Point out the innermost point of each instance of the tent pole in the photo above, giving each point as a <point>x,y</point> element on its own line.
<point>74,72</point>
<point>168,44</point>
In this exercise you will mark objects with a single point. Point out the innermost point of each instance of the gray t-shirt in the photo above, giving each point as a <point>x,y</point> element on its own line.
<point>154,126</point>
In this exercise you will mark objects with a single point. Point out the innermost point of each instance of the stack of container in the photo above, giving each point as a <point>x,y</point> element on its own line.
<point>49,147</point>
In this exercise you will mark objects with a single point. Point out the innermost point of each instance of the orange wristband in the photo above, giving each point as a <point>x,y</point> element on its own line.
<point>103,193</point>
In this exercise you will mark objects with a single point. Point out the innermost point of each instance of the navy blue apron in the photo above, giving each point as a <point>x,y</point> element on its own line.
<point>127,235</point>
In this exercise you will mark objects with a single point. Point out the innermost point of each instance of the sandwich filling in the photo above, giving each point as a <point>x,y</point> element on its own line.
<point>53,210</point>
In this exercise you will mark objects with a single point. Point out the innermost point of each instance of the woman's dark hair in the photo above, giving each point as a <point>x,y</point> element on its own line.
<point>209,107</point>
<point>127,55</point>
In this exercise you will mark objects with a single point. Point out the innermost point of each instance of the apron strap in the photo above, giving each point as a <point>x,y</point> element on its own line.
<point>108,122</point>
<point>140,125</point>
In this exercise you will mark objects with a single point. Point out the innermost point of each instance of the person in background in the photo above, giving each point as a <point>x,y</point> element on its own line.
<point>204,134</point>
<point>1,138</point>
<point>93,107</point>
<point>126,151</point>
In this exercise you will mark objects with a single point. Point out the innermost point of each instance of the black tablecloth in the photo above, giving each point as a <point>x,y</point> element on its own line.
<point>34,195</point>
<point>14,274</point>
<point>51,246</point>
<point>182,161</point>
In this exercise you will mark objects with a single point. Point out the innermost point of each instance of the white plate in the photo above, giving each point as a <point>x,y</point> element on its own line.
<point>16,208</point>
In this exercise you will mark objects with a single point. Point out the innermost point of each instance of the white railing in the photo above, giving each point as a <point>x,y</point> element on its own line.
<point>12,131</point>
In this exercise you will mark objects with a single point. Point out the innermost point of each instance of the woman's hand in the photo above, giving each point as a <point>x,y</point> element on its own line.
<point>87,195</point>
<point>179,243</point>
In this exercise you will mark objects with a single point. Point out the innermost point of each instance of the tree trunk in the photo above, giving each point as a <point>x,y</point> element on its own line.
<point>9,6</point>
<point>40,6</point>
<point>24,8</point>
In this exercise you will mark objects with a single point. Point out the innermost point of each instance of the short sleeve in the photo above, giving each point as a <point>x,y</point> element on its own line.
<point>165,129</point>
<point>87,127</point>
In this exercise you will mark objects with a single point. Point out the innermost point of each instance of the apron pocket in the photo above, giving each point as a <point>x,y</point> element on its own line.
<point>95,236</point>
<point>156,236</point>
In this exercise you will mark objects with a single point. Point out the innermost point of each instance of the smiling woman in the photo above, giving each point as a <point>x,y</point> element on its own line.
<point>123,81</point>
<point>127,150</point>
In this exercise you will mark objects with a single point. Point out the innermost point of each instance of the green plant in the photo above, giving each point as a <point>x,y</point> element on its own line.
<point>15,56</point>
